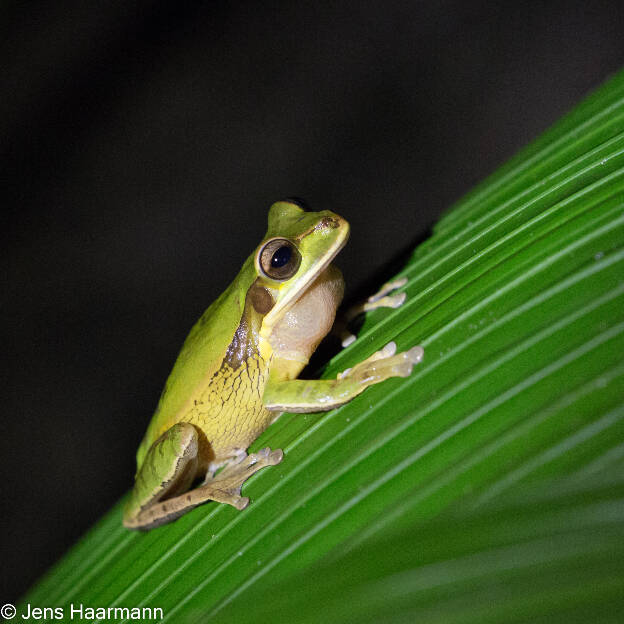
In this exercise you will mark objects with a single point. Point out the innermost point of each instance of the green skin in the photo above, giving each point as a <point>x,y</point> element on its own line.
<point>237,370</point>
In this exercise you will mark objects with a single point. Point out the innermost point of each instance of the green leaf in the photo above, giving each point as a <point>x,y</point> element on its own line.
<point>486,487</point>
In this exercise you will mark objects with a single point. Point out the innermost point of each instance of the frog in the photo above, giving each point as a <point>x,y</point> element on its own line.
<point>238,369</point>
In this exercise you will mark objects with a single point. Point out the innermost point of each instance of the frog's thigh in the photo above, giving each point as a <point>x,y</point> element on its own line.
<point>225,487</point>
<point>168,469</point>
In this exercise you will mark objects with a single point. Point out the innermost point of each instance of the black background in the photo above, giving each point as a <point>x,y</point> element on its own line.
<point>141,145</point>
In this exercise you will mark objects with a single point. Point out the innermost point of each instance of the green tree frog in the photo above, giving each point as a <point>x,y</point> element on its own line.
<point>238,368</point>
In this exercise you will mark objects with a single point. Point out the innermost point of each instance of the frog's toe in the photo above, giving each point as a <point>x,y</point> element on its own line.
<point>344,373</point>
<point>404,362</point>
<point>347,338</point>
<point>390,301</point>
<point>416,354</point>
<point>388,287</point>
<point>389,350</point>
<point>241,503</point>
<point>268,457</point>
<point>275,457</point>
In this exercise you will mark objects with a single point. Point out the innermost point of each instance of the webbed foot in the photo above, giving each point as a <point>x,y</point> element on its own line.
<point>381,299</point>
<point>383,364</point>
<point>225,486</point>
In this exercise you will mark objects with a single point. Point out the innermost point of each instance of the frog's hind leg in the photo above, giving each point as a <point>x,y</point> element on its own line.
<point>169,468</point>
<point>168,471</point>
<point>381,299</point>
<point>225,487</point>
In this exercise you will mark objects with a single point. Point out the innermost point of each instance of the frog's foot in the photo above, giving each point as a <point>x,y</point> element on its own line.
<point>384,364</point>
<point>168,471</point>
<point>225,487</point>
<point>381,299</point>
<point>390,302</point>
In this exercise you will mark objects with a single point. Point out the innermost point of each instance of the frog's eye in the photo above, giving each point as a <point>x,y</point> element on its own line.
<point>279,259</point>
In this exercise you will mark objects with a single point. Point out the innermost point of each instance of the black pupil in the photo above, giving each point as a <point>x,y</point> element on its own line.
<point>281,257</point>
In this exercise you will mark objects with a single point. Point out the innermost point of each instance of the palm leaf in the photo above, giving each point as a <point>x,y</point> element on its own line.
<point>488,486</point>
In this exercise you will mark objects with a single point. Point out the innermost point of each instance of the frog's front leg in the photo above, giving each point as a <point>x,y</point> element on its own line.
<point>314,395</point>
<point>381,299</point>
<point>161,491</point>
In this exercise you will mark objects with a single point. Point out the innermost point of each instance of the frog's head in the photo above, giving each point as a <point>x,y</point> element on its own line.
<point>296,249</point>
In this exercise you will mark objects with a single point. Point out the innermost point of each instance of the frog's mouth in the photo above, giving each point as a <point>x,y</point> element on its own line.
<point>304,282</point>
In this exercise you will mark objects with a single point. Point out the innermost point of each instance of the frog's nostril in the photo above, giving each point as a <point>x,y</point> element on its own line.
<point>329,222</point>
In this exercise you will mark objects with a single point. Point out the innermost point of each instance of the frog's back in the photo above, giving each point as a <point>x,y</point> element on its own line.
<point>200,358</point>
